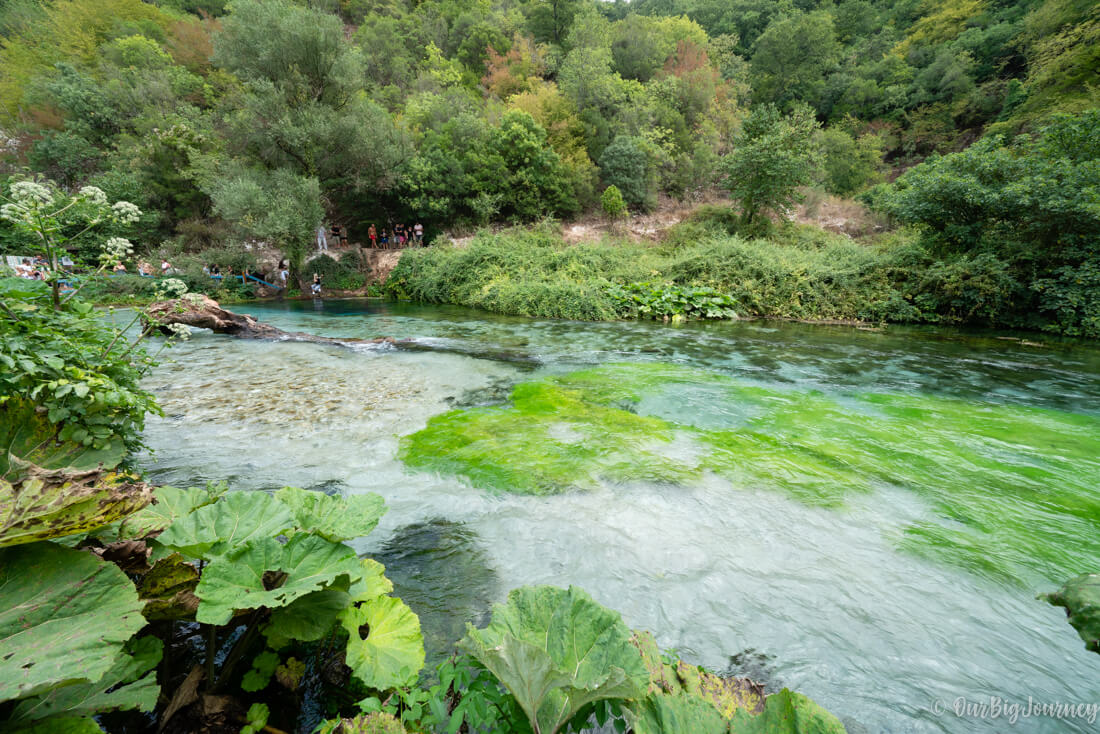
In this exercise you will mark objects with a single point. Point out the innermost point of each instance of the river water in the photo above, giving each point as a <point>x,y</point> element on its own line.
<point>862,516</point>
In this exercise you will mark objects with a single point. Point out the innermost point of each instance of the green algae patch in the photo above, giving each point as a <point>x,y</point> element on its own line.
<point>1009,492</point>
<point>550,439</point>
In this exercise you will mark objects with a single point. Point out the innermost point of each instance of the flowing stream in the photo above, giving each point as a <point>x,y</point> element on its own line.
<point>865,517</point>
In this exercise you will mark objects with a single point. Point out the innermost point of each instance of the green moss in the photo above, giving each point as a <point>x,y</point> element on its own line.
<point>1010,491</point>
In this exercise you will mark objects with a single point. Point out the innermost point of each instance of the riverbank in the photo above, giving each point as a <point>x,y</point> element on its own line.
<point>696,268</point>
<point>803,273</point>
<point>800,272</point>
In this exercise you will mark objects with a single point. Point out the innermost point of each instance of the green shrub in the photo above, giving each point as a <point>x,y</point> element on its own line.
<point>625,165</point>
<point>81,370</point>
<point>838,279</point>
<point>850,164</point>
<point>335,273</point>
<point>1013,225</point>
<point>524,272</point>
<point>533,273</point>
<point>801,272</point>
<point>612,203</point>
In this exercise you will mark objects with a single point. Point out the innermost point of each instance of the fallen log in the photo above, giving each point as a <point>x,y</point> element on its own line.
<point>202,312</point>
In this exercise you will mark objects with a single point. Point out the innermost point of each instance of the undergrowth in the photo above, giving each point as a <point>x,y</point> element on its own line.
<point>801,272</point>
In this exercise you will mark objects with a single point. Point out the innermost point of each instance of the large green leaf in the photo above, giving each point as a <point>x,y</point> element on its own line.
<point>526,670</point>
<point>335,518</point>
<point>1081,598</point>
<point>237,580</point>
<point>307,618</point>
<point>169,504</point>
<point>168,589</point>
<point>575,652</point>
<point>786,712</point>
<point>385,645</point>
<point>64,616</point>
<point>124,686</point>
<point>373,582</point>
<point>46,504</point>
<point>27,437</point>
<point>227,524</point>
<point>677,714</point>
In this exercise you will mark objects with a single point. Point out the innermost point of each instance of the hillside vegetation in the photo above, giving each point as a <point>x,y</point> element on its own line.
<point>228,122</point>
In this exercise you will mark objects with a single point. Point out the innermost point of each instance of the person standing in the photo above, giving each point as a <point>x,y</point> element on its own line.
<point>372,235</point>
<point>322,241</point>
<point>343,237</point>
<point>418,234</point>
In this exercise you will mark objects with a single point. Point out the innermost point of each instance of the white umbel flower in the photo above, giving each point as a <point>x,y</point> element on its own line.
<point>116,249</point>
<point>125,212</point>
<point>29,193</point>
<point>171,288</point>
<point>180,331</point>
<point>12,212</point>
<point>93,194</point>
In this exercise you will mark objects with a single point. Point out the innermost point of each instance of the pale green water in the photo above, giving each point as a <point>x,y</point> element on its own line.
<point>865,517</point>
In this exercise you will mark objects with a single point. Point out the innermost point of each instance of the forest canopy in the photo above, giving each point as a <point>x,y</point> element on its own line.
<point>514,110</point>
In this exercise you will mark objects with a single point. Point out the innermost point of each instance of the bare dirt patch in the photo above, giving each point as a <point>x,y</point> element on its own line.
<point>831,213</point>
<point>841,216</point>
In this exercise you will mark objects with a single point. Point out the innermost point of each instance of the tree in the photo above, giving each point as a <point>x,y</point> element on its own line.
<point>625,165</point>
<point>537,182</point>
<point>300,51</point>
<point>772,157</point>
<point>549,20</point>
<point>612,203</point>
<point>304,107</point>
<point>1034,205</point>
<point>281,206</point>
<point>851,164</point>
<point>792,57</point>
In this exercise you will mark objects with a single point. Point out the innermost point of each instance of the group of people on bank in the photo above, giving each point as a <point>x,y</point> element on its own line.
<point>35,268</point>
<point>400,236</point>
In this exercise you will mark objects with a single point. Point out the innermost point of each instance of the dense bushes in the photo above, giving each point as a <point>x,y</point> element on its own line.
<point>1014,228</point>
<point>533,273</point>
<point>335,273</point>
<point>800,272</point>
<point>528,273</point>
<point>840,280</point>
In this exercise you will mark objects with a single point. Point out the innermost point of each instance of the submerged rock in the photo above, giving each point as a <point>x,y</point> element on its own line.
<point>439,568</point>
